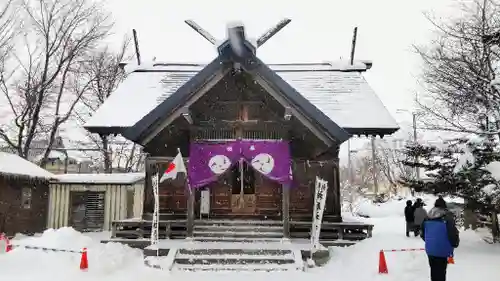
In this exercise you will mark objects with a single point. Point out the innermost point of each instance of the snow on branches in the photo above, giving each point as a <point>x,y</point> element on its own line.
<point>467,167</point>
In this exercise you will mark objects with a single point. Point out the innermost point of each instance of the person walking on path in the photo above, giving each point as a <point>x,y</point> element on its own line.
<point>441,238</point>
<point>409,217</point>
<point>420,214</point>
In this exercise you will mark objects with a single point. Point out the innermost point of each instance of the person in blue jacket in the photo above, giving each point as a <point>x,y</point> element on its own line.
<point>441,238</point>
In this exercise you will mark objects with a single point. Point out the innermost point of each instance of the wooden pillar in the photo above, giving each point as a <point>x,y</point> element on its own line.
<point>337,202</point>
<point>148,200</point>
<point>190,212</point>
<point>285,213</point>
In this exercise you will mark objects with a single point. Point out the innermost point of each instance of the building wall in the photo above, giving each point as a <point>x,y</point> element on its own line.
<point>174,195</point>
<point>58,167</point>
<point>116,207</point>
<point>16,216</point>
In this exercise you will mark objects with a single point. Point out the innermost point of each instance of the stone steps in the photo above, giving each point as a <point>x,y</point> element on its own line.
<point>245,234</point>
<point>241,259</point>
<point>236,239</point>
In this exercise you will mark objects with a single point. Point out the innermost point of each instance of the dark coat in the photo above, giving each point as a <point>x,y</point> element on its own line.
<point>409,214</point>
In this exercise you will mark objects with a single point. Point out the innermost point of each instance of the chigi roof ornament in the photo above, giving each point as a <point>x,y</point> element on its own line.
<point>236,36</point>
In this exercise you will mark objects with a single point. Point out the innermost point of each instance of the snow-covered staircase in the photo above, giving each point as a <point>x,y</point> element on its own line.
<point>227,259</point>
<point>238,231</point>
<point>232,245</point>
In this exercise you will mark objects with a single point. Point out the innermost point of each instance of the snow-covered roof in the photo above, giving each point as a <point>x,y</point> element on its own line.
<point>118,178</point>
<point>54,154</point>
<point>11,164</point>
<point>338,90</point>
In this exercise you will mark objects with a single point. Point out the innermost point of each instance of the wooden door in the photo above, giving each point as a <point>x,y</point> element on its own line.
<point>302,192</point>
<point>301,199</point>
<point>269,196</point>
<point>87,210</point>
<point>243,198</point>
<point>220,194</point>
<point>173,198</point>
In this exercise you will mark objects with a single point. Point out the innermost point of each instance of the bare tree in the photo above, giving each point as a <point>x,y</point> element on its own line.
<point>363,176</point>
<point>103,69</point>
<point>47,82</point>
<point>8,26</point>
<point>459,67</point>
<point>389,160</point>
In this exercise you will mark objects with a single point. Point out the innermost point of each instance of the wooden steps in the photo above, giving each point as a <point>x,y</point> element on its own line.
<point>237,230</point>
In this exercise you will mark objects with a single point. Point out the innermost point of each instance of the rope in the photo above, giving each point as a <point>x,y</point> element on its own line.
<point>46,249</point>
<point>404,250</point>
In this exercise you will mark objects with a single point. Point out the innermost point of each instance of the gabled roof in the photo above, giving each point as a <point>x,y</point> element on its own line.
<point>251,64</point>
<point>338,90</point>
<point>13,165</point>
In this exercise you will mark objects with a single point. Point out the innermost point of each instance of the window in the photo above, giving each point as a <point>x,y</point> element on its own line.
<point>26,198</point>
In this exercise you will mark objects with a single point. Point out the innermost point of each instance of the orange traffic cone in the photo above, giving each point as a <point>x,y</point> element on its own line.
<point>8,246</point>
<point>84,262</point>
<point>451,260</point>
<point>382,264</point>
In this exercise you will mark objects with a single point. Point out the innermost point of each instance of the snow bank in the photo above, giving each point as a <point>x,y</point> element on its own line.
<point>494,169</point>
<point>474,258</point>
<point>394,207</point>
<point>103,258</point>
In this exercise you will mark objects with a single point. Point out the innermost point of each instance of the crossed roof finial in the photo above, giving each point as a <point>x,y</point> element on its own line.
<point>260,41</point>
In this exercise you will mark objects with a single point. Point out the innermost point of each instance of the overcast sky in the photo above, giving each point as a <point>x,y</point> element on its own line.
<point>321,30</point>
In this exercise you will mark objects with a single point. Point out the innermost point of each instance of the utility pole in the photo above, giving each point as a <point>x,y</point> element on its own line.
<point>415,137</point>
<point>349,163</point>
<point>374,168</point>
<point>415,140</point>
<point>353,50</point>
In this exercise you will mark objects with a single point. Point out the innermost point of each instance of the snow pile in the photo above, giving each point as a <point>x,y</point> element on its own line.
<point>394,207</point>
<point>494,169</point>
<point>391,208</point>
<point>474,258</point>
<point>103,258</point>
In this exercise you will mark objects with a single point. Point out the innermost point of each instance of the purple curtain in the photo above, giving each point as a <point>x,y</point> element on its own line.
<point>270,158</point>
<point>209,160</point>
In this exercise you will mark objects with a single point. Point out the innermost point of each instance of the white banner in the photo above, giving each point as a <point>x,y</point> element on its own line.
<point>156,212</point>
<point>320,193</point>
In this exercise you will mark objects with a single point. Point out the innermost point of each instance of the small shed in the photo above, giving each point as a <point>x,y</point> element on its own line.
<point>91,202</point>
<point>24,192</point>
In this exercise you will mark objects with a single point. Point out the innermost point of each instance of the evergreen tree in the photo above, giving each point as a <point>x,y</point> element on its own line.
<point>476,173</point>
<point>468,168</point>
<point>437,164</point>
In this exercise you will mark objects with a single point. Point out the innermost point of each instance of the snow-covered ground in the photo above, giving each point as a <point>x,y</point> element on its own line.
<point>474,259</point>
<point>394,206</point>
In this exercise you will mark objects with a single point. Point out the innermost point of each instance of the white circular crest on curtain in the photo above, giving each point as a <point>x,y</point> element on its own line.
<point>263,163</point>
<point>219,164</point>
